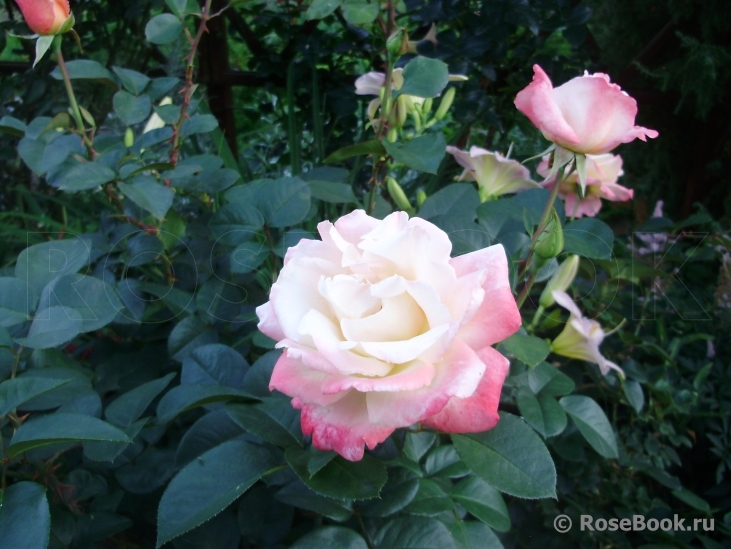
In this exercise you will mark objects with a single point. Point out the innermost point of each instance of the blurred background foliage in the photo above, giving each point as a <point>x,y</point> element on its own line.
<point>674,57</point>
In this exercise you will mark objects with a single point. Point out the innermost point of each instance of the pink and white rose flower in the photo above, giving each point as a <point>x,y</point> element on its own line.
<point>586,115</point>
<point>383,329</point>
<point>602,173</point>
<point>495,174</point>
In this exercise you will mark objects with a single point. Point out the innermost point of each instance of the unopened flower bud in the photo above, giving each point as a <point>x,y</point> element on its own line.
<point>397,194</point>
<point>402,111</point>
<point>397,44</point>
<point>426,106</point>
<point>550,241</point>
<point>445,103</point>
<point>129,138</point>
<point>47,17</point>
<point>420,197</point>
<point>560,281</point>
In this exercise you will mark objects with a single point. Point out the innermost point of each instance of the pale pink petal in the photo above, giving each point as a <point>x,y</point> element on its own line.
<point>291,377</point>
<point>355,225</point>
<point>615,192</point>
<point>463,158</point>
<point>370,83</point>
<point>589,206</point>
<point>477,412</point>
<point>399,352</point>
<point>606,168</point>
<point>537,102</point>
<point>343,426</point>
<point>268,323</point>
<point>458,375</point>
<point>498,316</point>
<point>294,294</point>
<point>564,299</point>
<point>348,297</point>
<point>407,377</point>
<point>399,319</point>
<point>600,113</point>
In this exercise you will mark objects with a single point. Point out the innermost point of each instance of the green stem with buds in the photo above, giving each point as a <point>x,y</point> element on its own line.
<point>545,217</point>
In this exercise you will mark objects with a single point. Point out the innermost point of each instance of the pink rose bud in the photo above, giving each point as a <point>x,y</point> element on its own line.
<point>586,115</point>
<point>382,329</point>
<point>45,17</point>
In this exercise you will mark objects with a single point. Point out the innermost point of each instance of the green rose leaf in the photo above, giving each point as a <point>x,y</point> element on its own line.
<point>413,533</point>
<point>163,28</point>
<point>24,504</point>
<point>14,392</point>
<point>85,176</point>
<point>367,147</point>
<point>423,153</point>
<point>135,82</point>
<point>149,195</point>
<point>207,485</point>
<point>340,478</point>
<point>483,501</point>
<point>319,9</point>
<point>86,69</point>
<point>542,413</point>
<point>273,420</point>
<point>284,202</point>
<point>592,423</point>
<point>186,397</point>
<point>528,349</point>
<point>130,108</point>
<point>331,537</point>
<point>360,12</point>
<point>588,237</point>
<point>511,458</point>
<point>60,427</point>
<point>424,77</point>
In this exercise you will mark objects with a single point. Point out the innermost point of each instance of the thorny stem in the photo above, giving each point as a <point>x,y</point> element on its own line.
<point>114,199</point>
<point>189,87</point>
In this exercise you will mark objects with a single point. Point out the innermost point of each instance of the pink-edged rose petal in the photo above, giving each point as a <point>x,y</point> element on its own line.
<point>477,412</point>
<point>343,426</point>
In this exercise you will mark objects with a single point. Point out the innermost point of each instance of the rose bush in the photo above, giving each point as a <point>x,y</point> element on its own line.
<point>383,329</point>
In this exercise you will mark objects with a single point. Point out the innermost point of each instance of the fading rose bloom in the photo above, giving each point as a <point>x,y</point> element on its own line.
<point>602,172</point>
<point>495,175</point>
<point>581,337</point>
<point>45,17</point>
<point>586,115</point>
<point>383,329</point>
